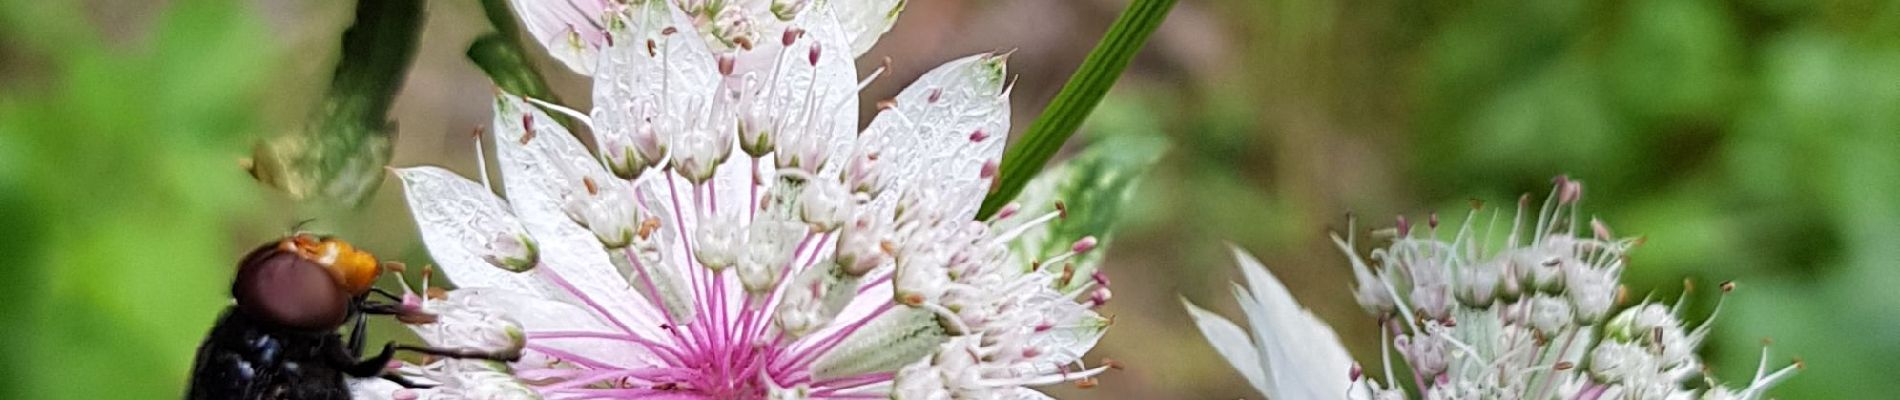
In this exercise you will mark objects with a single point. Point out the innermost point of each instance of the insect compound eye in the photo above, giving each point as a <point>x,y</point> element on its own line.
<point>285,289</point>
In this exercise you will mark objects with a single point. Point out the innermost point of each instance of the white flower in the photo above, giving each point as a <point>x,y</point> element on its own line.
<point>737,237</point>
<point>1292,354</point>
<point>1532,319</point>
<point>577,31</point>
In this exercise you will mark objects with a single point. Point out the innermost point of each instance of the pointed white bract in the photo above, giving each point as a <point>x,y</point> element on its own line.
<point>572,30</point>
<point>735,236</point>
<point>1292,353</point>
<point>1527,313</point>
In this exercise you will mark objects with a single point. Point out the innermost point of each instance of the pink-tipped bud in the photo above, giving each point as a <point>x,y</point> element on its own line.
<point>989,169</point>
<point>1600,229</point>
<point>1100,278</point>
<point>1568,191</point>
<point>1031,352</point>
<point>411,302</point>
<point>1099,297</point>
<point>727,64</point>
<point>791,35</point>
<point>1356,373</point>
<point>1009,210</point>
<point>1084,245</point>
<point>1432,221</point>
<point>813,56</point>
<point>978,135</point>
<point>935,94</point>
<point>1405,227</point>
<point>527,128</point>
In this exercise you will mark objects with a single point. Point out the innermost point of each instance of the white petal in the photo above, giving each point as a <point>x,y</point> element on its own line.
<point>929,143</point>
<point>539,315</point>
<point>1301,356</point>
<point>1023,393</point>
<point>1232,344</point>
<point>539,176</point>
<point>670,84</point>
<point>372,389</point>
<point>1076,330</point>
<point>458,218</point>
<point>866,20</point>
<point>571,30</point>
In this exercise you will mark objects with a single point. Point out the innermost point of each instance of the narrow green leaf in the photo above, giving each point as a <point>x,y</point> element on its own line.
<point>340,153</point>
<point>508,66</point>
<point>502,17</point>
<point>501,56</point>
<point>1078,98</point>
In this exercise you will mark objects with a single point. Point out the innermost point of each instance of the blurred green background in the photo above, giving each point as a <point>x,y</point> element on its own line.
<point>1748,140</point>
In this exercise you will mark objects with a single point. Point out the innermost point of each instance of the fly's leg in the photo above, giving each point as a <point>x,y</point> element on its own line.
<point>357,335</point>
<point>373,366</point>
<point>464,353</point>
<point>404,381</point>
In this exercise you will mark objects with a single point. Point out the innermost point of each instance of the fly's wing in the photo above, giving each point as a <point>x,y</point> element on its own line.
<point>242,360</point>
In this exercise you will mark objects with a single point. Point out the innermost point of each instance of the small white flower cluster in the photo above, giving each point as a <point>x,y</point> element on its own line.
<point>736,236</point>
<point>1528,315</point>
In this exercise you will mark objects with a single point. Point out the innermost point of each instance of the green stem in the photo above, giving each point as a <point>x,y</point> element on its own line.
<point>339,154</point>
<point>377,50</point>
<point>501,56</point>
<point>505,63</point>
<point>1078,98</point>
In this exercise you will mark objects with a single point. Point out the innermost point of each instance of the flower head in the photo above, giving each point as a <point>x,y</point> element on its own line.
<point>1527,313</point>
<point>735,235</point>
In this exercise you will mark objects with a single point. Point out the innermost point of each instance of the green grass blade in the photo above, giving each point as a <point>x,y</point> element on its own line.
<point>1078,98</point>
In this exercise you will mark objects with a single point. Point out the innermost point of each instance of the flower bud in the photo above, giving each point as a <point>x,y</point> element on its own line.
<point>824,204</point>
<point>512,251</point>
<point>769,247</point>
<point>1592,292</point>
<point>1479,286</point>
<point>628,152</point>
<point>814,298</point>
<point>1428,354</point>
<point>718,241</point>
<point>787,10</point>
<point>860,246</point>
<point>700,153</point>
<point>1550,315</point>
<point>863,175</point>
<point>609,212</point>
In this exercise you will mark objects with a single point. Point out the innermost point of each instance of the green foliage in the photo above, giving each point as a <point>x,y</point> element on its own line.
<point>338,158</point>
<point>501,56</point>
<point>1096,187</point>
<point>1078,98</point>
<point>1761,154</point>
<point>117,182</point>
<point>502,59</point>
